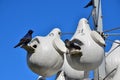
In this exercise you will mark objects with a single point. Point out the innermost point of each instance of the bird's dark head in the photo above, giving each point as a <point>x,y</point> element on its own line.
<point>66,41</point>
<point>30,31</point>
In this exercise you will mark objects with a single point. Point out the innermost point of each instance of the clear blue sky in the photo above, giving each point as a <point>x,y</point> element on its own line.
<point>18,16</point>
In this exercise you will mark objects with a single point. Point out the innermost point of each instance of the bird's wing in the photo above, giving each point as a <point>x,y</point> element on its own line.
<point>77,41</point>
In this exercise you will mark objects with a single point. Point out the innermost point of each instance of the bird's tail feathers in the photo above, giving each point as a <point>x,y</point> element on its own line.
<point>17,45</point>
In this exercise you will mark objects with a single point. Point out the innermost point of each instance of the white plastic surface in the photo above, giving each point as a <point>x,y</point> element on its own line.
<point>113,61</point>
<point>97,38</point>
<point>70,72</point>
<point>92,52</point>
<point>59,45</point>
<point>45,60</point>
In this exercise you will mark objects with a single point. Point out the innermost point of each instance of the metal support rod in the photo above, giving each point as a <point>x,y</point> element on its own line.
<point>99,73</point>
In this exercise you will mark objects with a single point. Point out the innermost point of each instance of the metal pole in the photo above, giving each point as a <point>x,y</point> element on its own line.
<point>99,73</point>
<point>97,15</point>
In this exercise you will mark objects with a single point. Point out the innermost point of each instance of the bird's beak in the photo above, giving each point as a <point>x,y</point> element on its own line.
<point>28,48</point>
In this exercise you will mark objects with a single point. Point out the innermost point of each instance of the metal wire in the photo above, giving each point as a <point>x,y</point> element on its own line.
<point>67,33</point>
<point>113,34</point>
<point>110,73</point>
<point>117,28</point>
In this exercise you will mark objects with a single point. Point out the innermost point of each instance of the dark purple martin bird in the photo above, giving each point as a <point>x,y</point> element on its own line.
<point>74,44</point>
<point>26,39</point>
<point>89,4</point>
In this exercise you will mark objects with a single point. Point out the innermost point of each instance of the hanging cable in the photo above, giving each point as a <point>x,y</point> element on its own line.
<point>117,28</point>
<point>67,33</point>
<point>113,34</point>
<point>113,41</point>
<point>110,73</point>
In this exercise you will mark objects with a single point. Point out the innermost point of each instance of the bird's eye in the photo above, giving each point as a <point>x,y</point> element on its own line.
<point>35,46</point>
